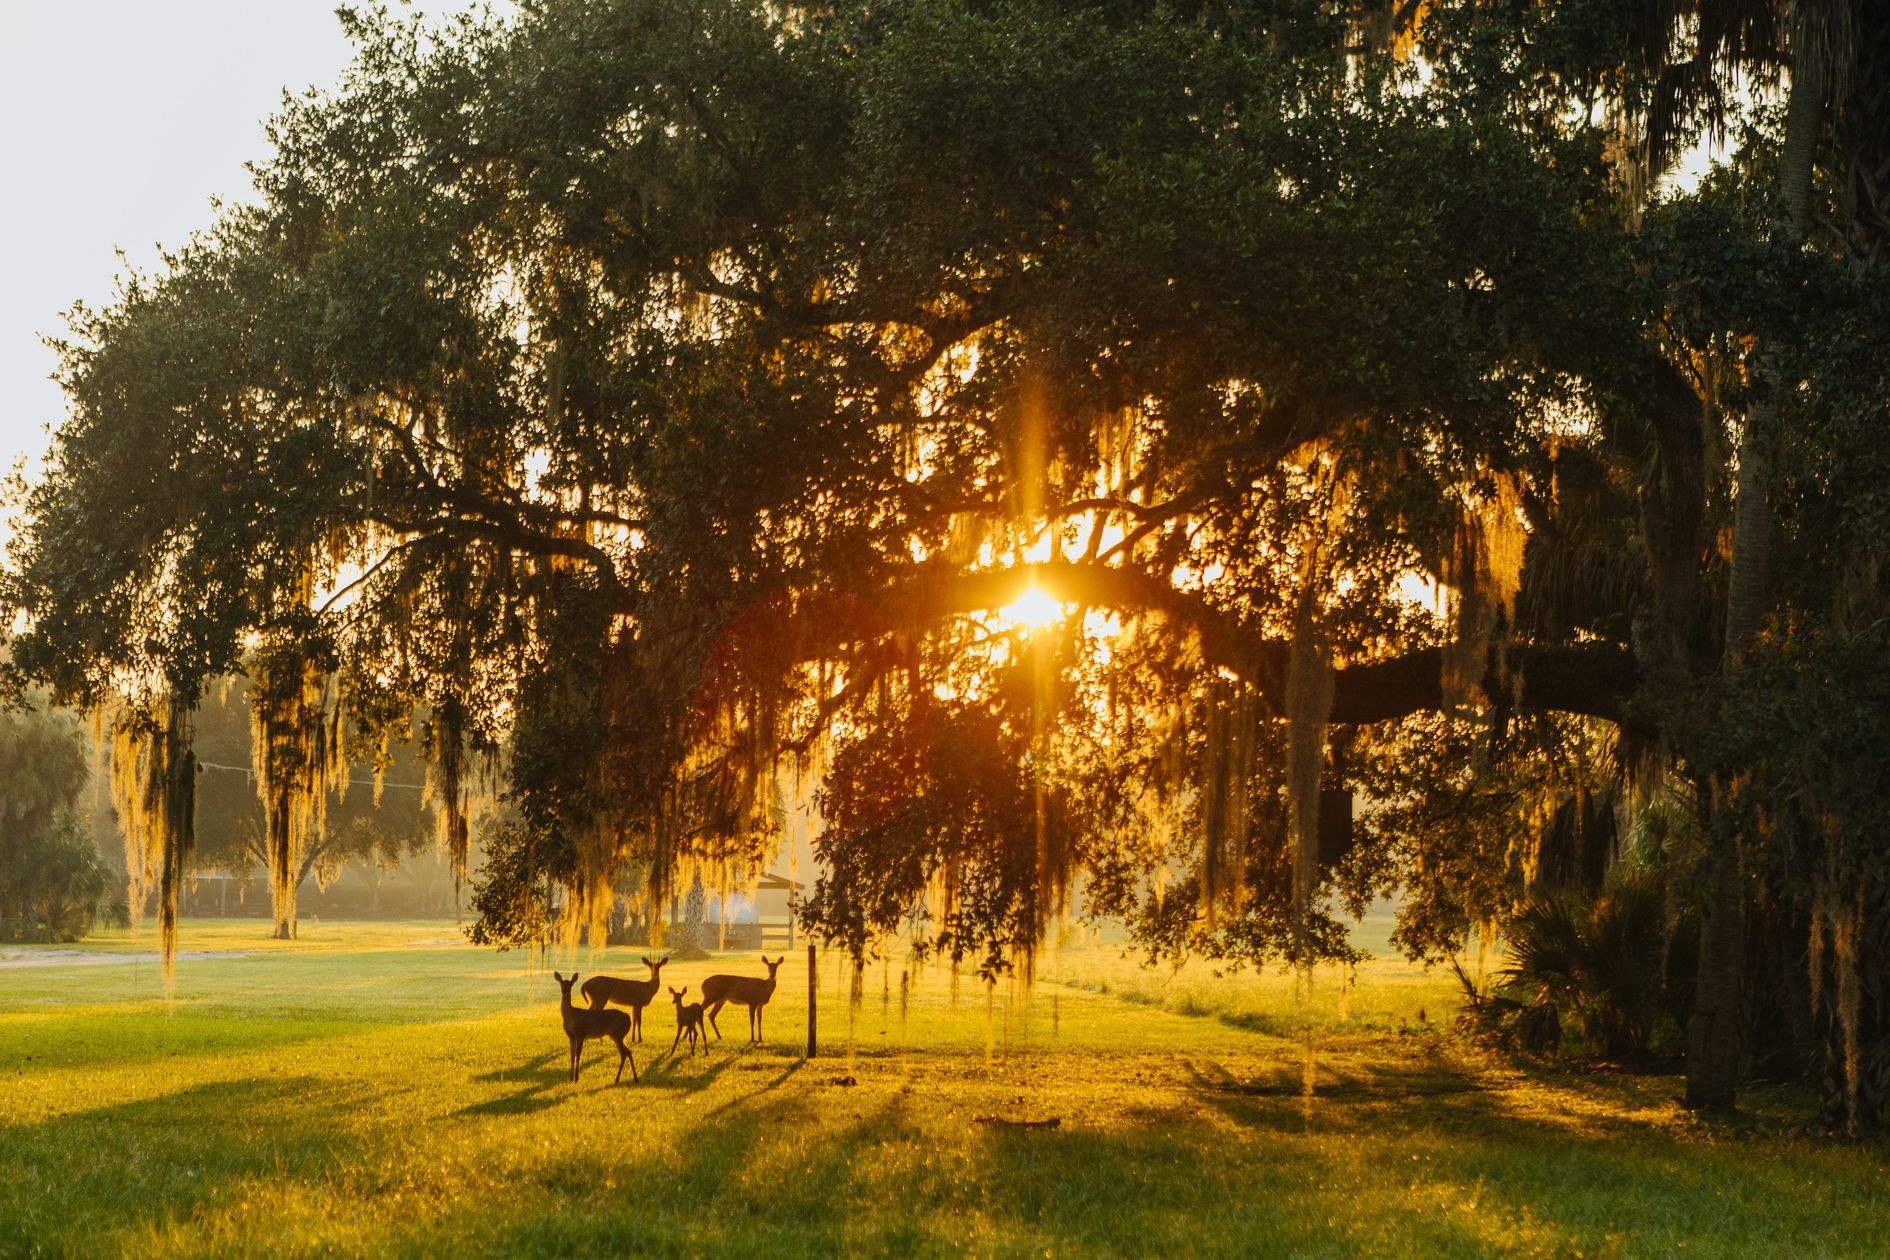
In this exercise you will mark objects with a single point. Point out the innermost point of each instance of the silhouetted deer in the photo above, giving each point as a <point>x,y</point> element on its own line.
<point>749,991</point>
<point>688,1020</point>
<point>633,995</point>
<point>581,1026</point>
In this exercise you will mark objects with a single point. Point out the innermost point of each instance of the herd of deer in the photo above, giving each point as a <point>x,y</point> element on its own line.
<point>598,1021</point>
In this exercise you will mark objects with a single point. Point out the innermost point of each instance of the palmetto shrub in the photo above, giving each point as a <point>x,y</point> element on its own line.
<point>1615,966</point>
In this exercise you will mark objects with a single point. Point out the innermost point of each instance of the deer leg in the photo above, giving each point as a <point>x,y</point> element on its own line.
<point>623,1055</point>
<point>757,1025</point>
<point>678,1041</point>
<point>710,1012</point>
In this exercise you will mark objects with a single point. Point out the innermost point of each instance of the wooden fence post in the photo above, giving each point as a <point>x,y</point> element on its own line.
<point>813,974</point>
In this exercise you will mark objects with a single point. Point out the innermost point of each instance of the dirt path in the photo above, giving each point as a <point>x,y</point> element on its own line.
<point>94,958</point>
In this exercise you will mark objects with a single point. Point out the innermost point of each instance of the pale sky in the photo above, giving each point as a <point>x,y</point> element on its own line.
<point>120,120</point>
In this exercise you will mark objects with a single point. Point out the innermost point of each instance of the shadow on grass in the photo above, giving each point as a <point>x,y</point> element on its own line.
<point>546,1081</point>
<point>741,1100</point>
<point>1333,1082</point>
<point>1246,1021</point>
<point>670,1071</point>
<point>533,1097</point>
<point>882,1180</point>
<point>93,1174</point>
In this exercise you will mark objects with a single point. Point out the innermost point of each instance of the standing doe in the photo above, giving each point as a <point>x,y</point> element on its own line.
<point>688,1020</point>
<point>581,1026</point>
<point>631,994</point>
<point>750,991</point>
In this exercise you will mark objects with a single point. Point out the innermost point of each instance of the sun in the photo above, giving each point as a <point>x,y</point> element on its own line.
<point>1034,609</point>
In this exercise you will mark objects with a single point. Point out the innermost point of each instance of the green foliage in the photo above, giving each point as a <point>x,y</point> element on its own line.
<point>52,879</point>
<point>514,900</point>
<point>53,884</point>
<point>1616,965</point>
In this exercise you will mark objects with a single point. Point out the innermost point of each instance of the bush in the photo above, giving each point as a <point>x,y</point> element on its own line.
<point>1615,966</point>
<point>52,882</point>
<point>513,905</point>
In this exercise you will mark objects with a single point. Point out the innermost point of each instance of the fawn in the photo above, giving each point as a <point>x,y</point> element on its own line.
<point>749,991</point>
<point>688,1020</point>
<point>582,1025</point>
<point>631,994</point>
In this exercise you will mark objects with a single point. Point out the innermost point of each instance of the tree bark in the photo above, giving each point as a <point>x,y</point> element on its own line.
<point>1715,1034</point>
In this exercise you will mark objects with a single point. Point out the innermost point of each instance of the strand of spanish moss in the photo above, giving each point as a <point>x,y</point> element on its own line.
<point>296,750</point>
<point>153,788</point>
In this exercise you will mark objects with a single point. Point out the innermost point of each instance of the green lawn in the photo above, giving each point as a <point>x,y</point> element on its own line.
<point>376,1089</point>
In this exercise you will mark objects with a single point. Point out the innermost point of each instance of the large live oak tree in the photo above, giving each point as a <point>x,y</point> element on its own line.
<point>667,399</point>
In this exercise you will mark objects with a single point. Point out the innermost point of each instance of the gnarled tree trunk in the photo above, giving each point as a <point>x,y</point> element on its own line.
<point>1715,1052</point>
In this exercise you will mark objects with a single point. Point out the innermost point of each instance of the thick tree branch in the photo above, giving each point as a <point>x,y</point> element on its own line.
<point>1594,679</point>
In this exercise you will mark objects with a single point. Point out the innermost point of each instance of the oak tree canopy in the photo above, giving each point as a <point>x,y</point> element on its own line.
<point>1072,446</point>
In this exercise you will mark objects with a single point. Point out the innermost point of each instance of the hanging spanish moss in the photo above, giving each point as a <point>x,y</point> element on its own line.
<point>1483,574</point>
<point>1232,717</point>
<point>296,749</point>
<point>448,781</point>
<point>154,790</point>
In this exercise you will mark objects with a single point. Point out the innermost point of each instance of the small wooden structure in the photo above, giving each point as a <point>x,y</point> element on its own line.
<point>737,921</point>
<point>774,910</point>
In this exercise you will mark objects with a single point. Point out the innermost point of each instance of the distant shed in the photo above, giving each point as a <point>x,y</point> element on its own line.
<point>738,921</point>
<point>774,910</point>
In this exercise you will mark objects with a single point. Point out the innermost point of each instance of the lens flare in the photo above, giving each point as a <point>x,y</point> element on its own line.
<point>1035,609</point>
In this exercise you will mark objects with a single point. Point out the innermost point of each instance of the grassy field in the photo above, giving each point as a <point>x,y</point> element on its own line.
<point>383,1089</point>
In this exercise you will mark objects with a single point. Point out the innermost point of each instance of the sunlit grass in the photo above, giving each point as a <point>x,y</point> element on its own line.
<point>373,1089</point>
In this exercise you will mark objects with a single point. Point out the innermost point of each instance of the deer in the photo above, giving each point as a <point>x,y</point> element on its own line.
<point>750,991</point>
<point>633,995</point>
<point>688,1020</point>
<point>582,1025</point>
